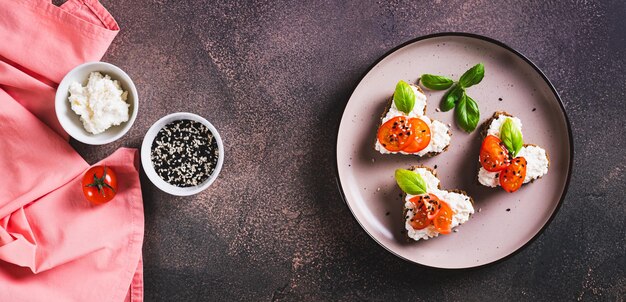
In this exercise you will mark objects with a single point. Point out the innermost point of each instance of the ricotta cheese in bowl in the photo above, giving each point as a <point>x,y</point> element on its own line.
<point>100,104</point>
<point>96,103</point>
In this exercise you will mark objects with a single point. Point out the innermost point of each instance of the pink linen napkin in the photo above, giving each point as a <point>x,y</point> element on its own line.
<point>55,245</point>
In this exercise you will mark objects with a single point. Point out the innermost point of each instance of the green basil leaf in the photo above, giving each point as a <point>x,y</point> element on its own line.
<point>435,82</point>
<point>404,97</point>
<point>467,113</point>
<point>410,182</point>
<point>511,136</point>
<point>473,76</point>
<point>450,98</point>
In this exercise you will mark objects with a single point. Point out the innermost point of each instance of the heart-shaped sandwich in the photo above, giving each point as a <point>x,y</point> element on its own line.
<point>406,129</point>
<point>504,158</point>
<point>429,210</point>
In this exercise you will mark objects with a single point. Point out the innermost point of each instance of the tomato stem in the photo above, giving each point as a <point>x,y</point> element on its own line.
<point>100,183</point>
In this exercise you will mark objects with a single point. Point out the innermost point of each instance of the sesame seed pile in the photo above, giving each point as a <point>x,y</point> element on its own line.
<point>184,153</point>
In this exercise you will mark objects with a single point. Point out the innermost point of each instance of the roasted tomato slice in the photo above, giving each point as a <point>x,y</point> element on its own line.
<point>420,218</point>
<point>396,134</point>
<point>433,205</point>
<point>422,136</point>
<point>427,207</point>
<point>513,176</point>
<point>494,156</point>
<point>443,221</point>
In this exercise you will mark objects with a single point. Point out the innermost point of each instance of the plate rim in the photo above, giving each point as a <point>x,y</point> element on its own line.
<point>546,80</point>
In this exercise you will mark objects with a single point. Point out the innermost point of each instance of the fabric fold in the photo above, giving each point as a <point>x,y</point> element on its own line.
<point>54,244</point>
<point>79,245</point>
<point>45,42</point>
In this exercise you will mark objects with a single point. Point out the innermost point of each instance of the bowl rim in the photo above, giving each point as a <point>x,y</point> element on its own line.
<point>146,161</point>
<point>60,99</point>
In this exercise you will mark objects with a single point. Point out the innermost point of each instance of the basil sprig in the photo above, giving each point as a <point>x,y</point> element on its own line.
<point>511,136</point>
<point>451,97</point>
<point>404,97</point>
<point>472,76</point>
<point>466,113</point>
<point>410,182</point>
<point>435,82</point>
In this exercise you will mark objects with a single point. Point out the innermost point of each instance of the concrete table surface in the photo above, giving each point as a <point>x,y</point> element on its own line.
<point>274,76</point>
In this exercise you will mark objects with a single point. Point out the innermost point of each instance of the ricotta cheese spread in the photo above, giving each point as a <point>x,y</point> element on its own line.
<point>536,157</point>
<point>101,104</point>
<point>459,203</point>
<point>494,128</point>
<point>439,132</point>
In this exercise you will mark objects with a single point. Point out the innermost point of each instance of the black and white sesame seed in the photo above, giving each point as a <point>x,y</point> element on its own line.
<point>184,153</point>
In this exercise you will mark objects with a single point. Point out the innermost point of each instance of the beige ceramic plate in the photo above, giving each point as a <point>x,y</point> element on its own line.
<point>506,222</point>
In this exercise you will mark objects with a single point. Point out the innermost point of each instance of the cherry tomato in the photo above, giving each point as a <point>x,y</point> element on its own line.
<point>99,184</point>
<point>427,207</point>
<point>513,176</point>
<point>432,205</point>
<point>494,156</point>
<point>420,218</point>
<point>443,221</point>
<point>396,133</point>
<point>422,136</point>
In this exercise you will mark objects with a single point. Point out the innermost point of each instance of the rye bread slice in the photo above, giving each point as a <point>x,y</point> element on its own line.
<point>405,210</point>
<point>485,127</point>
<point>388,106</point>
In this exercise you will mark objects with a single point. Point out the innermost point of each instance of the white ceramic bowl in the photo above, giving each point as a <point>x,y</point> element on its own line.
<point>146,148</point>
<point>70,121</point>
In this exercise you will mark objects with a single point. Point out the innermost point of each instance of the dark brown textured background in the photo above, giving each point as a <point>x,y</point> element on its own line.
<point>274,76</point>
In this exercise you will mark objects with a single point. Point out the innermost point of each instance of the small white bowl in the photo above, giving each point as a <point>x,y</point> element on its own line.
<point>70,121</point>
<point>146,149</point>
